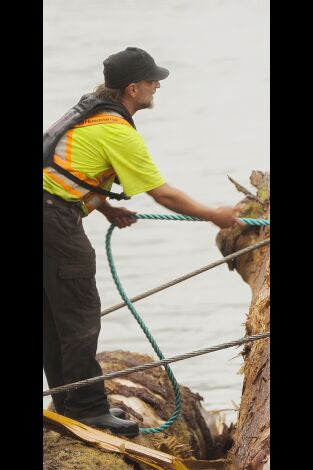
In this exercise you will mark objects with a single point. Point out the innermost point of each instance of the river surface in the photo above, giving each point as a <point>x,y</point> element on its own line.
<point>210,120</point>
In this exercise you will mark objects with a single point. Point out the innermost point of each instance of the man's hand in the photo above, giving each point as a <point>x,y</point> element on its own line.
<point>227,216</point>
<point>119,216</point>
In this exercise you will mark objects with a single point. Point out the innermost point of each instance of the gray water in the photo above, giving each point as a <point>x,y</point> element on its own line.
<point>211,119</point>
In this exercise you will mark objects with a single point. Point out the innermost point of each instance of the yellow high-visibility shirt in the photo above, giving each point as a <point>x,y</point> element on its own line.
<point>97,149</point>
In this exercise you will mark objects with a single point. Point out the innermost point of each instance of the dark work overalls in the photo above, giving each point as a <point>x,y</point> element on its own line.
<point>71,309</point>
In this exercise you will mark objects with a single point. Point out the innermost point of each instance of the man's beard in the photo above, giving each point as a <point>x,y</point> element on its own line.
<point>146,105</point>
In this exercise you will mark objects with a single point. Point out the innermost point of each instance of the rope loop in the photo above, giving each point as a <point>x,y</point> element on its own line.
<point>137,316</point>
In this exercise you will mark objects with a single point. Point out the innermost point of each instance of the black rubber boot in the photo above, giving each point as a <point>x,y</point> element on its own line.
<point>113,424</point>
<point>118,413</point>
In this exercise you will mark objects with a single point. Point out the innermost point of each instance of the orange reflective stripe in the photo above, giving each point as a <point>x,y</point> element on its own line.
<point>67,166</point>
<point>62,183</point>
<point>92,200</point>
<point>68,146</point>
<point>103,119</point>
<point>100,180</point>
<point>66,163</point>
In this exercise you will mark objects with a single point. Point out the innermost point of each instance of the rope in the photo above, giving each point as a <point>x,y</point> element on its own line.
<point>140,321</point>
<point>150,338</point>
<point>227,258</point>
<point>255,221</point>
<point>246,220</point>
<point>150,365</point>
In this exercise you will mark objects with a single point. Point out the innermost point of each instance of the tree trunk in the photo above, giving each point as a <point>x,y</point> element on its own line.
<point>250,450</point>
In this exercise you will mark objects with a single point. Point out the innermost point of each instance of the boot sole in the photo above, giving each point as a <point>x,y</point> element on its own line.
<point>128,434</point>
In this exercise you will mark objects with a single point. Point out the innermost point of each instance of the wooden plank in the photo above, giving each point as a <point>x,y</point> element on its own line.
<point>107,442</point>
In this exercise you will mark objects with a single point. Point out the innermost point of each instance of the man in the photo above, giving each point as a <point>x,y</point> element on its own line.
<point>93,145</point>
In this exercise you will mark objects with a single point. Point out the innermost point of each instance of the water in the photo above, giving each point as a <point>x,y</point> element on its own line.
<point>211,119</point>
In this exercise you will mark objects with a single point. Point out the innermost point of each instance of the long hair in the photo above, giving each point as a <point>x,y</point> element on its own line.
<point>101,91</point>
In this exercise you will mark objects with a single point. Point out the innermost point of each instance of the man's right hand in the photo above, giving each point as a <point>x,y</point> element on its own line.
<point>227,216</point>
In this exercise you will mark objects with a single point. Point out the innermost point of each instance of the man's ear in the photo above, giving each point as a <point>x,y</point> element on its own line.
<point>131,90</point>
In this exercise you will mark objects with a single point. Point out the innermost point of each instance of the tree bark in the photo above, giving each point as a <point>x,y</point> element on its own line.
<point>250,450</point>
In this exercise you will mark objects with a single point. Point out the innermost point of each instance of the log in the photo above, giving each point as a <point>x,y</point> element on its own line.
<point>147,398</point>
<point>250,450</point>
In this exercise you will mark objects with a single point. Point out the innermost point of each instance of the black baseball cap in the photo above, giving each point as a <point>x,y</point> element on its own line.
<point>130,66</point>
